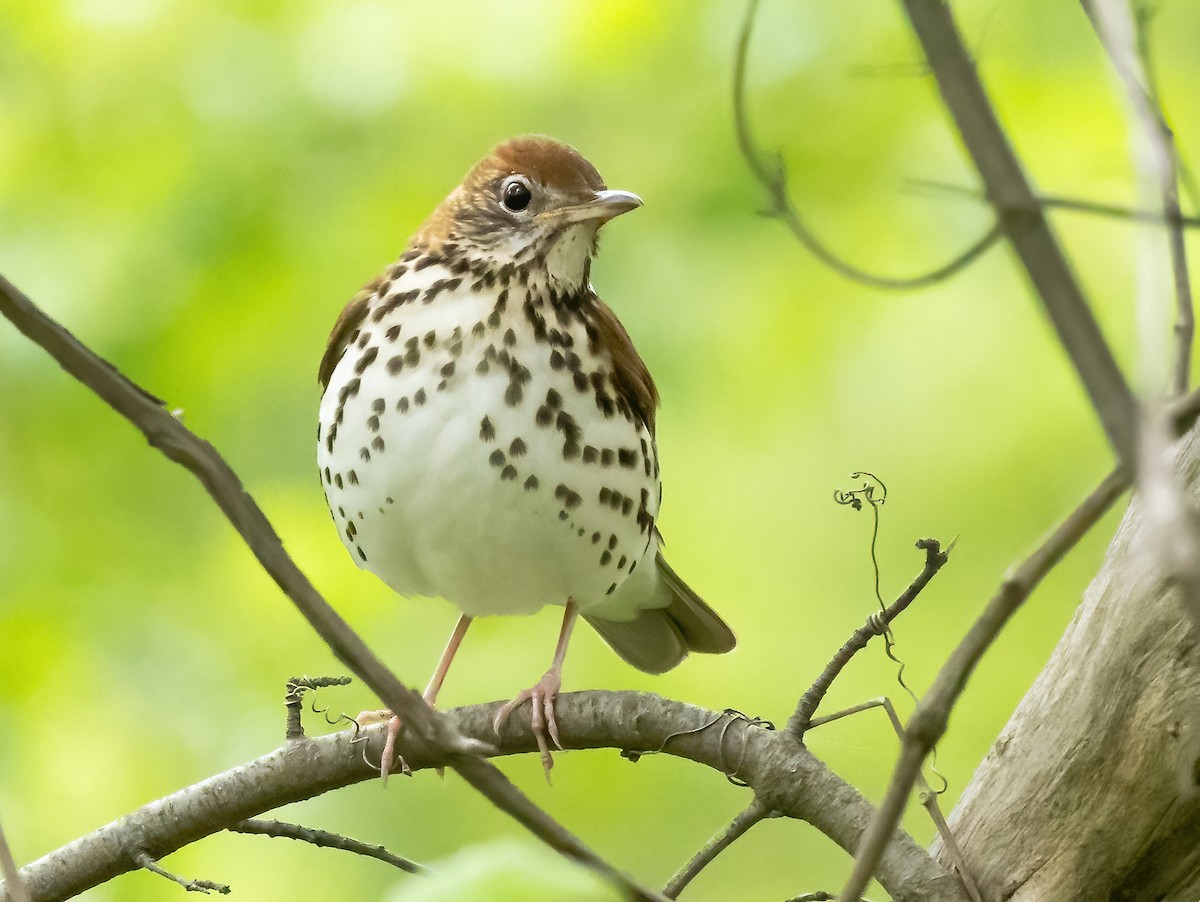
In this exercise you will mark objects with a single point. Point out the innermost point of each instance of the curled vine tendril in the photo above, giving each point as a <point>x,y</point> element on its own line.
<point>873,493</point>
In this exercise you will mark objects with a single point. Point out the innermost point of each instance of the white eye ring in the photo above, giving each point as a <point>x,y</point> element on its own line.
<point>516,194</point>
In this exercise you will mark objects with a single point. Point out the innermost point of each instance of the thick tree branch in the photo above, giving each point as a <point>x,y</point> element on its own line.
<point>173,439</point>
<point>781,772</point>
<point>1024,223</point>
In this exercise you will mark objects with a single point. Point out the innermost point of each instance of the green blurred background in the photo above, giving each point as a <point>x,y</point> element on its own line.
<point>196,189</point>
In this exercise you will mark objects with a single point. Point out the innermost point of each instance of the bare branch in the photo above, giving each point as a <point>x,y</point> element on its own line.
<point>800,721</point>
<point>325,840</point>
<point>293,700</point>
<point>1052,202</point>
<point>928,722</point>
<point>14,884</point>
<point>145,860</point>
<point>781,772</point>
<point>718,843</point>
<point>1124,40</point>
<point>173,439</point>
<point>1024,223</point>
<point>773,178</point>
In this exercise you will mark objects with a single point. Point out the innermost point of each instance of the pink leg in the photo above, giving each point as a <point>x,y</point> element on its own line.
<point>543,693</point>
<point>388,758</point>
<point>439,675</point>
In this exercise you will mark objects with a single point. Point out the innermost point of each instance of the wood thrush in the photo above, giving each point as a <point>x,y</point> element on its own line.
<point>487,427</point>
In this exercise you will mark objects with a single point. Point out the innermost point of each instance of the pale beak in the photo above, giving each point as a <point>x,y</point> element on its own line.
<point>605,206</point>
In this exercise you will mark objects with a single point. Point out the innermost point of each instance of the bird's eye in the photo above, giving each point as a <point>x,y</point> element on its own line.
<point>515,195</point>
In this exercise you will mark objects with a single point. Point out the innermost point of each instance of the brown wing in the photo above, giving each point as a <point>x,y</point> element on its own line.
<point>630,376</point>
<point>349,321</point>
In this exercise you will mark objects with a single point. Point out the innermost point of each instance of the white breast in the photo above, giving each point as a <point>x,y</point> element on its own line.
<point>466,462</point>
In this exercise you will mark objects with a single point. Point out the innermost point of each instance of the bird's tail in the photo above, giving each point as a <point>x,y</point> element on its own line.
<point>672,621</point>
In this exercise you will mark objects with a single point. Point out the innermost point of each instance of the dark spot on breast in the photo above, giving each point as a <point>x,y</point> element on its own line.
<point>402,405</point>
<point>430,338</point>
<point>590,454</point>
<point>393,332</point>
<point>509,472</point>
<point>517,448</point>
<point>395,365</point>
<point>627,457</point>
<point>327,476</point>
<point>487,431</point>
<point>496,459</point>
<point>367,358</point>
<point>612,541</point>
<point>510,337</point>
<point>553,399</point>
<point>419,397</point>
<point>364,454</point>
<point>605,557</point>
<point>556,360</point>
<point>448,369</point>
<point>373,423</point>
<point>378,405</point>
<point>377,443</point>
<point>544,416</point>
<point>337,480</point>
<point>606,457</point>
<point>531,483</point>
<point>513,394</point>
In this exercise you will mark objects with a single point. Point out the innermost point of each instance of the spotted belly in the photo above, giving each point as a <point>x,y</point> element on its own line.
<point>467,460</point>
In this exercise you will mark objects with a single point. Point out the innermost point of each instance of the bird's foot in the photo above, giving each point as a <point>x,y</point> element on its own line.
<point>388,760</point>
<point>542,720</point>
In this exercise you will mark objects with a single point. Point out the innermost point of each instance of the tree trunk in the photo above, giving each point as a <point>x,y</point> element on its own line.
<point>1090,791</point>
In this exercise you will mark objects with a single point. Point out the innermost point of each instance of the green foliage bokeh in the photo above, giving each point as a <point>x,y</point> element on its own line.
<point>196,189</point>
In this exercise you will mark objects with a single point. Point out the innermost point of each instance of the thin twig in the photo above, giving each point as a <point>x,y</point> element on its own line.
<point>801,720</point>
<point>929,798</point>
<point>773,178</point>
<point>928,722</point>
<point>1123,38</point>
<point>145,860</point>
<point>1052,201</point>
<point>174,440</point>
<point>14,883</point>
<point>325,840</point>
<point>717,844</point>
<point>293,700</point>
<point>1025,224</point>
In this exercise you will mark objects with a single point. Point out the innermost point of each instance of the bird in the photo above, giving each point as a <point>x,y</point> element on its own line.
<point>487,429</point>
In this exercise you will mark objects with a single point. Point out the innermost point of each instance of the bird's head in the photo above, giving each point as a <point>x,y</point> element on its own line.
<point>531,200</point>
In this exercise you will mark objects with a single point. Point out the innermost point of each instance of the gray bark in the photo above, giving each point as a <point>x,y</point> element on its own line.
<point>1090,791</point>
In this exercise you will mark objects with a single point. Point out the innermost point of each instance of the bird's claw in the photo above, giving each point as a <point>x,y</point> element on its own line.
<point>388,760</point>
<point>542,719</point>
